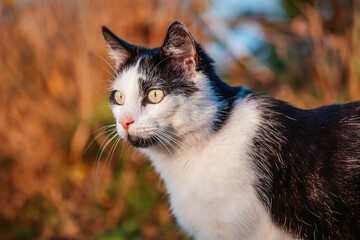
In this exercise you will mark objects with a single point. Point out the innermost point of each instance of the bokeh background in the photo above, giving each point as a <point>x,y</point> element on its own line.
<point>54,115</point>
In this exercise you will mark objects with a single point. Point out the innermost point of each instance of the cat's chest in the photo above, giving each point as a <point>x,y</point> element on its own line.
<point>206,177</point>
<point>211,194</point>
<point>210,189</point>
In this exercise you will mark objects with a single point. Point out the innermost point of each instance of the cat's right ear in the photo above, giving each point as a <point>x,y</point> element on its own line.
<point>120,50</point>
<point>179,46</point>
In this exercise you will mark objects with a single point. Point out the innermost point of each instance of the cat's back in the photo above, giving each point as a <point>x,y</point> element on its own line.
<point>309,167</point>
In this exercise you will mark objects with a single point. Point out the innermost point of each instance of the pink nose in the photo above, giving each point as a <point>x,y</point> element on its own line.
<point>126,122</point>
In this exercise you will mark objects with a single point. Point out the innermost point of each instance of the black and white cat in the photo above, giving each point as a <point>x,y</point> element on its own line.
<point>236,164</point>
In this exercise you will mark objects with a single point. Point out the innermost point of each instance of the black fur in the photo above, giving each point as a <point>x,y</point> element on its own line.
<point>160,75</point>
<point>309,168</point>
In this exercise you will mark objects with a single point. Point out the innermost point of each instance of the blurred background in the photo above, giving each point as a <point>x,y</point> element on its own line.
<point>54,115</point>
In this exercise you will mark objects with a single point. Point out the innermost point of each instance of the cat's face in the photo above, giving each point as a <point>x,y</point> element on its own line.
<point>160,96</point>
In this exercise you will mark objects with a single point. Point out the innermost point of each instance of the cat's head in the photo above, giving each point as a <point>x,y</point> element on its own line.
<point>162,96</point>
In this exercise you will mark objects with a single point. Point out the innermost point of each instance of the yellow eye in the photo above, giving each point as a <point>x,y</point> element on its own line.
<point>155,95</point>
<point>119,98</point>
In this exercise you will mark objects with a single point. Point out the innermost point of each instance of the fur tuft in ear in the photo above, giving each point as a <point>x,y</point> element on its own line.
<point>120,50</point>
<point>180,46</point>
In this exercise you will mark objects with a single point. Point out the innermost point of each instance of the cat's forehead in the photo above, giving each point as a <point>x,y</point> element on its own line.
<point>139,64</point>
<point>128,78</point>
<point>138,77</point>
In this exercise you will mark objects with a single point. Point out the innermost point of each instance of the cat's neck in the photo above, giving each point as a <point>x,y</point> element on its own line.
<point>214,104</point>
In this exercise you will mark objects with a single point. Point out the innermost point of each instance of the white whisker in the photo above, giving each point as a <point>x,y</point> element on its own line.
<point>171,138</point>
<point>164,144</point>
<point>110,127</point>
<point>154,68</point>
<point>102,148</point>
<point>101,57</point>
<point>110,155</point>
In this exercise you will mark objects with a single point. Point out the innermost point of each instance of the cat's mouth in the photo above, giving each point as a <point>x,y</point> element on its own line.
<point>142,142</point>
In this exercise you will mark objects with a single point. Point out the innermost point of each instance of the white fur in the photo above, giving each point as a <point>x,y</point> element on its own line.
<point>209,177</point>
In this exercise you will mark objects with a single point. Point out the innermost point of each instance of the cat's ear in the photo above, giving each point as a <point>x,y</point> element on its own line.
<point>179,45</point>
<point>120,50</point>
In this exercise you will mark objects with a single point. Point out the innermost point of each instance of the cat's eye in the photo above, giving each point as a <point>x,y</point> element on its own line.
<point>119,98</point>
<point>155,95</point>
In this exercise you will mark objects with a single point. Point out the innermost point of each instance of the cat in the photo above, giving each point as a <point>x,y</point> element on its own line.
<point>236,164</point>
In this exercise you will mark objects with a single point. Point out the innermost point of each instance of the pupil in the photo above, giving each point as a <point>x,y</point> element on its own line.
<point>155,94</point>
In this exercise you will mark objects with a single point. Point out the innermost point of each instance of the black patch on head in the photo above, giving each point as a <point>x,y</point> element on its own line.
<point>137,53</point>
<point>159,74</point>
<point>308,165</point>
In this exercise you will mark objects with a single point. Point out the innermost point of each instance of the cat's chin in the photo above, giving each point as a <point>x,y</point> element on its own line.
<point>139,142</point>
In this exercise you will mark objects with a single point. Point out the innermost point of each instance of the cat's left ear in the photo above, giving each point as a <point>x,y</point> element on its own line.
<point>120,50</point>
<point>179,45</point>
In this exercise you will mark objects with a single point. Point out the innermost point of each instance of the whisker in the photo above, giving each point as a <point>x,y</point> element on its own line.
<point>110,155</point>
<point>104,140</point>
<point>171,135</point>
<point>122,150</point>
<point>110,127</point>
<point>154,68</point>
<point>171,139</point>
<point>107,126</point>
<point>102,148</point>
<point>116,144</point>
<point>104,69</point>
<point>162,143</point>
<point>101,57</point>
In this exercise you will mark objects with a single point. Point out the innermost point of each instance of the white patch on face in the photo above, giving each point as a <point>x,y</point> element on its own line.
<point>127,83</point>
